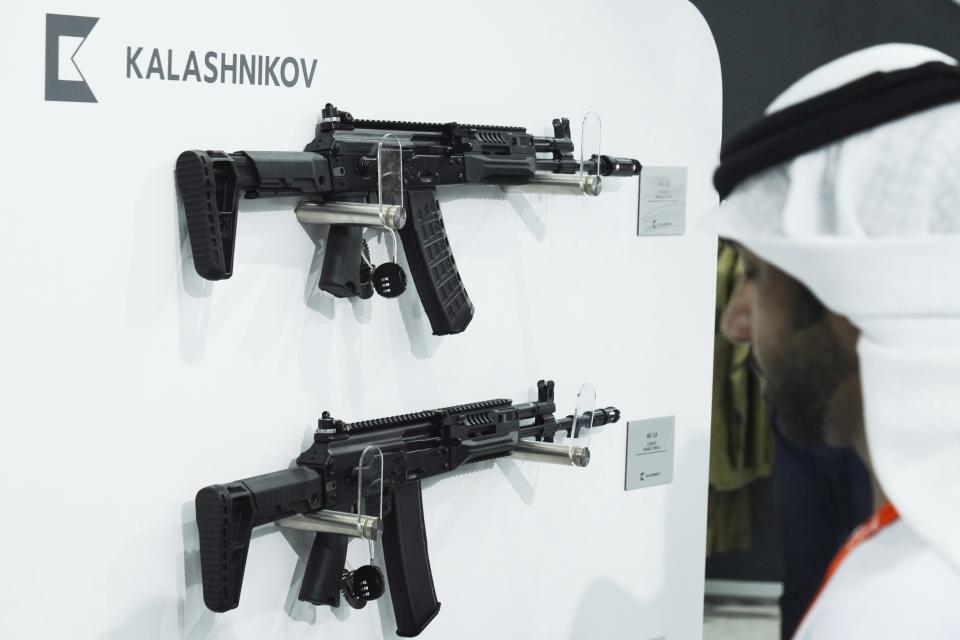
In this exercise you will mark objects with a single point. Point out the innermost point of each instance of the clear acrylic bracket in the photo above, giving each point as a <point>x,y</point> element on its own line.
<point>370,483</point>
<point>390,182</point>
<point>583,414</point>
<point>590,138</point>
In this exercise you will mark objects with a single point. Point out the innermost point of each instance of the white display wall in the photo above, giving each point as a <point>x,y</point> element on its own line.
<point>129,382</point>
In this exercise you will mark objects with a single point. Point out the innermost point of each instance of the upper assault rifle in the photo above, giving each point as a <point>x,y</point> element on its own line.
<point>326,484</point>
<point>338,171</point>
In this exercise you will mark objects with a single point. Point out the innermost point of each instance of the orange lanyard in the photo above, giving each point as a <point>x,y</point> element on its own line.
<point>885,516</point>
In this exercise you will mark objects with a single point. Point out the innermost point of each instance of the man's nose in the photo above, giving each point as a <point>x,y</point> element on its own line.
<point>735,321</point>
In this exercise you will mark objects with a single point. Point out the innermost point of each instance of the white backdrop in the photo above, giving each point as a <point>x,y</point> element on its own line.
<point>129,383</point>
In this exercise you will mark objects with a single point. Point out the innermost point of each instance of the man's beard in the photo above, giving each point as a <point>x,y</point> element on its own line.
<point>802,381</point>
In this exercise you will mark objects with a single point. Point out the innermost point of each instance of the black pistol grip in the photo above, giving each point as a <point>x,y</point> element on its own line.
<point>226,515</point>
<point>324,572</point>
<point>432,265</point>
<point>208,185</point>
<point>340,273</point>
<point>408,565</point>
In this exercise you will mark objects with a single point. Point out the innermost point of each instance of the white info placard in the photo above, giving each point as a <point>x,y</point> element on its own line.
<point>649,452</point>
<point>662,205</point>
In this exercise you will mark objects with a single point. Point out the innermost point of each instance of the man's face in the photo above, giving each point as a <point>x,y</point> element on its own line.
<point>804,354</point>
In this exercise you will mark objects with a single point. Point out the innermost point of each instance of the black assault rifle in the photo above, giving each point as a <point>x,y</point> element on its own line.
<point>340,165</point>
<point>322,489</point>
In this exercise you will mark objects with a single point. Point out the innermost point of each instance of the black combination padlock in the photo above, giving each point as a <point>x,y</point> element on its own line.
<point>389,279</point>
<point>362,585</point>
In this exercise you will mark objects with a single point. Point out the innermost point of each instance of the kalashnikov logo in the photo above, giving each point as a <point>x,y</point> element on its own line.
<point>55,88</point>
<point>225,68</point>
<point>206,67</point>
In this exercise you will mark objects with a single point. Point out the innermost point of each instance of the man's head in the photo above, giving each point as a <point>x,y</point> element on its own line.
<point>805,355</point>
<point>856,195</point>
<point>828,167</point>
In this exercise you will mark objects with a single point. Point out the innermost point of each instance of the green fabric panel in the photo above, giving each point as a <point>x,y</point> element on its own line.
<point>741,445</point>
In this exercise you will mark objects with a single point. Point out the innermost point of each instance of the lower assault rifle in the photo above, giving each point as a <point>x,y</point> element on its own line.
<point>339,174</point>
<point>324,492</point>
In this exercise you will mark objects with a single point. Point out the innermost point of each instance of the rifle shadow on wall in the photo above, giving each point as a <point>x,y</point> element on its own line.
<point>301,542</point>
<point>520,202</point>
<point>316,299</point>
<point>319,300</point>
<point>609,606</point>
<point>422,342</point>
<point>522,477</point>
<point>193,295</point>
<point>388,625</point>
<point>457,506</point>
<point>195,620</point>
<point>357,555</point>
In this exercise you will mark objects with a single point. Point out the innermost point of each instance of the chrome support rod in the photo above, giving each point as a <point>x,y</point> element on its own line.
<point>559,183</point>
<point>369,215</point>
<point>344,524</point>
<point>552,453</point>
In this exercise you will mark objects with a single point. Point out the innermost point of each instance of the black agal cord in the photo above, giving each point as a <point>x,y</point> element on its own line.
<point>865,103</point>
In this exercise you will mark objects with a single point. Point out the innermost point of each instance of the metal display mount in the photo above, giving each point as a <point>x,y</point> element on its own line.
<point>368,215</point>
<point>552,453</point>
<point>365,583</point>
<point>390,184</point>
<point>335,522</point>
<point>367,523</point>
<point>388,212</point>
<point>590,128</point>
<point>370,483</point>
<point>583,414</point>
